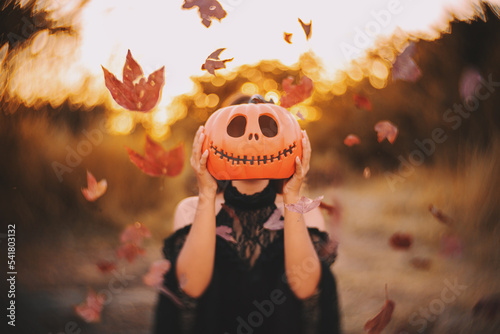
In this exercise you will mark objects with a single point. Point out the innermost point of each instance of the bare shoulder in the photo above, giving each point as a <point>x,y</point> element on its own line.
<point>186,210</point>
<point>313,218</point>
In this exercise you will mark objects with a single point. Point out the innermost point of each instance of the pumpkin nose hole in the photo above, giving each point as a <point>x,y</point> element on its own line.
<point>256,137</point>
<point>250,136</point>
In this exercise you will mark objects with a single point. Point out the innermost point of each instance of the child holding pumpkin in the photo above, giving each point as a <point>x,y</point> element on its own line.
<point>254,279</point>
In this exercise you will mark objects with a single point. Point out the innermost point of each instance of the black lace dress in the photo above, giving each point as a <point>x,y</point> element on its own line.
<point>249,292</point>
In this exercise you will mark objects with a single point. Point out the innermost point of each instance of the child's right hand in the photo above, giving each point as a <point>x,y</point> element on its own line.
<point>207,186</point>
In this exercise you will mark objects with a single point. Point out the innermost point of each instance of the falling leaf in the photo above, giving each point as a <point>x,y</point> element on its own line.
<point>275,221</point>
<point>135,93</point>
<point>208,10</point>
<point>450,245</point>
<point>90,310</point>
<point>367,173</point>
<point>129,251</point>
<point>154,277</point>
<point>135,233</point>
<point>380,321</point>
<point>158,162</point>
<point>401,241</point>
<point>94,189</point>
<point>439,215</point>
<point>213,62</point>
<point>404,67</point>
<point>225,232</point>
<point>469,81</point>
<point>304,204</point>
<point>287,37</point>
<point>488,306</point>
<point>351,140</point>
<point>386,129</point>
<point>106,266</point>
<point>362,102</point>
<point>299,115</point>
<point>306,27</point>
<point>421,263</point>
<point>296,93</point>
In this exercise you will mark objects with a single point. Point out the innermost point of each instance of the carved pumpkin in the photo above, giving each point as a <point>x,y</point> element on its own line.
<point>252,141</point>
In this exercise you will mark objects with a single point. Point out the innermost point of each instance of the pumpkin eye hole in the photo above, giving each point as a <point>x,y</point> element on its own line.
<point>236,128</point>
<point>268,126</point>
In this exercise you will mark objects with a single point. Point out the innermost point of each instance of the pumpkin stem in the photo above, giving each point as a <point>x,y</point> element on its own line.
<point>259,99</point>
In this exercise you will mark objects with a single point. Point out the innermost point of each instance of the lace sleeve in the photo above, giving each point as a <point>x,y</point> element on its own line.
<point>324,245</point>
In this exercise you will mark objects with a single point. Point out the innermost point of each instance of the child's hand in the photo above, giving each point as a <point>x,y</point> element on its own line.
<point>291,190</point>
<point>207,186</point>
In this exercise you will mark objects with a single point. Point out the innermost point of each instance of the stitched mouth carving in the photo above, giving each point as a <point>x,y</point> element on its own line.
<point>265,159</point>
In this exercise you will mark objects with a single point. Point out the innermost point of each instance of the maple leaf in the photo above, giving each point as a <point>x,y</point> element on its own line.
<point>287,37</point>
<point>386,129</point>
<point>135,93</point>
<point>304,204</point>
<point>94,189</point>
<point>208,10</point>
<point>440,216</point>
<point>135,233</point>
<point>351,140</point>
<point>404,67</point>
<point>295,93</point>
<point>401,241</point>
<point>377,324</point>
<point>213,62</point>
<point>274,222</point>
<point>129,251</point>
<point>306,27</point>
<point>488,306</point>
<point>106,266</point>
<point>158,269</point>
<point>158,162</point>
<point>90,310</point>
<point>362,102</point>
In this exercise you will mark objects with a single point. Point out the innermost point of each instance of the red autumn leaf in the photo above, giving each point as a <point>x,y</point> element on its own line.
<point>135,93</point>
<point>274,222</point>
<point>469,81</point>
<point>208,9</point>
<point>440,216</point>
<point>421,263</point>
<point>401,241</point>
<point>94,189</point>
<point>134,233</point>
<point>351,140</point>
<point>156,161</point>
<point>90,310</point>
<point>129,251</point>
<point>362,102</point>
<point>404,67</point>
<point>306,27</point>
<point>213,62</point>
<point>450,245</point>
<point>304,204</point>
<point>386,129</point>
<point>377,324</point>
<point>488,306</point>
<point>296,93</point>
<point>154,277</point>
<point>287,37</point>
<point>106,266</point>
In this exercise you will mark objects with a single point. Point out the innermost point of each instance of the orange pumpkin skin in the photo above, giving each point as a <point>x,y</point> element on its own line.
<point>252,141</point>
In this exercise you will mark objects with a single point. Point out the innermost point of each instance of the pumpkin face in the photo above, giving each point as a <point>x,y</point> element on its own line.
<point>252,141</point>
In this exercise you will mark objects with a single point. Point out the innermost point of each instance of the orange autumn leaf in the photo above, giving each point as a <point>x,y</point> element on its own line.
<point>287,37</point>
<point>156,161</point>
<point>90,310</point>
<point>129,251</point>
<point>351,140</point>
<point>377,324</point>
<point>306,27</point>
<point>362,102</point>
<point>135,233</point>
<point>386,129</point>
<point>295,93</point>
<point>94,189</point>
<point>106,266</point>
<point>213,62</point>
<point>135,93</point>
<point>208,10</point>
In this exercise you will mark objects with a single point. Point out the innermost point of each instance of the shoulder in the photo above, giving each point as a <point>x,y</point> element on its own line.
<point>186,210</point>
<point>313,218</point>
